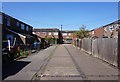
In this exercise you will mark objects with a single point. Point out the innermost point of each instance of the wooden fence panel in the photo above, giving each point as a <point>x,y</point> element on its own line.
<point>87,45</point>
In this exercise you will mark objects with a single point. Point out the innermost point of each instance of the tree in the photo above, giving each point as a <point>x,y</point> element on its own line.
<point>82,33</point>
<point>50,39</point>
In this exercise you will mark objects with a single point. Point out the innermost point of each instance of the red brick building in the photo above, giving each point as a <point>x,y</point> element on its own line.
<point>68,36</point>
<point>53,33</point>
<point>109,30</point>
<point>46,32</point>
<point>65,36</point>
<point>99,32</point>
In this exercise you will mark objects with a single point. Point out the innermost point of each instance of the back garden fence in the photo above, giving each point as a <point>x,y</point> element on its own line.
<point>103,48</point>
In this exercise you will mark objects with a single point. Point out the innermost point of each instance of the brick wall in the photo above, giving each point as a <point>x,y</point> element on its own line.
<point>99,32</point>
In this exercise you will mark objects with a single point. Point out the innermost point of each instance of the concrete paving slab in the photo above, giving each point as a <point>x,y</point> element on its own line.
<point>61,71</point>
<point>61,62</point>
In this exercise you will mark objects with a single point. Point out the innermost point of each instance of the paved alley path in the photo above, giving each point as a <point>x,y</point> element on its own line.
<point>61,62</point>
<point>69,63</point>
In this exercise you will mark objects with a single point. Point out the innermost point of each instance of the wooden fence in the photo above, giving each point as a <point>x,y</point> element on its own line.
<point>103,48</point>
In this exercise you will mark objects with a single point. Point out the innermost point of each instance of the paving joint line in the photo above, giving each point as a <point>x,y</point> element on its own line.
<point>77,66</point>
<point>43,66</point>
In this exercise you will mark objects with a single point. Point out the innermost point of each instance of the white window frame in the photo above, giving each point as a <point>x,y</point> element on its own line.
<point>69,34</point>
<point>93,32</point>
<point>49,33</point>
<point>64,34</point>
<point>55,33</point>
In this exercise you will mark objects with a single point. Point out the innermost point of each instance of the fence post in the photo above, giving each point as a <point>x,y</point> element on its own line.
<point>118,59</point>
<point>118,50</point>
<point>91,46</point>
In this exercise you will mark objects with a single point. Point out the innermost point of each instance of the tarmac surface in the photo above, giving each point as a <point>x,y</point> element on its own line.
<point>60,62</point>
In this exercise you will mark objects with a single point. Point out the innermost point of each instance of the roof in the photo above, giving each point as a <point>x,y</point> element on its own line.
<point>69,31</point>
<point>115,22</point>
<point>45,30</point>
<point>36,35</point>
<point>15,19</point>
<point>16,33</point>
<point>20,34</point>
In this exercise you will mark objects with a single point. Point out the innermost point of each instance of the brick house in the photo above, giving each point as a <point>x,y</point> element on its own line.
<point>60,36</point>
<point>53,33</point>
<point>99,32</point>
<point>108,31</point>
<point>68,36</point>
<point>18,32</point>
<point>111,30</point>
<point>17,37</point>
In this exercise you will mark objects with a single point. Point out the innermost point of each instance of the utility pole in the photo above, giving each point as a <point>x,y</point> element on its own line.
<point>61,39</point>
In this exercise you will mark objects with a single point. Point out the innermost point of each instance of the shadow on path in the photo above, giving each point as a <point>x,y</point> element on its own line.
<point>13,68</point>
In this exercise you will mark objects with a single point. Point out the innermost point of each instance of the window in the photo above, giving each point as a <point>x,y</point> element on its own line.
<point>116,26</point>
<point>111,28</point>
<point>22,26</point>
<point>8,21</point>
<point>69,34</point>
<point>30,28</point>
<point>93,32</point>
<point>10,37</point>
<point>0,19</point>
<point>49,33</point>
<point>33,32</point>
<point>38,33</point>
<point>18,24</point>
<point>44,33</point>
<point>27,28</point>
<point>106,28</point>
<point>55,33</point>
<point>64,34</point>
